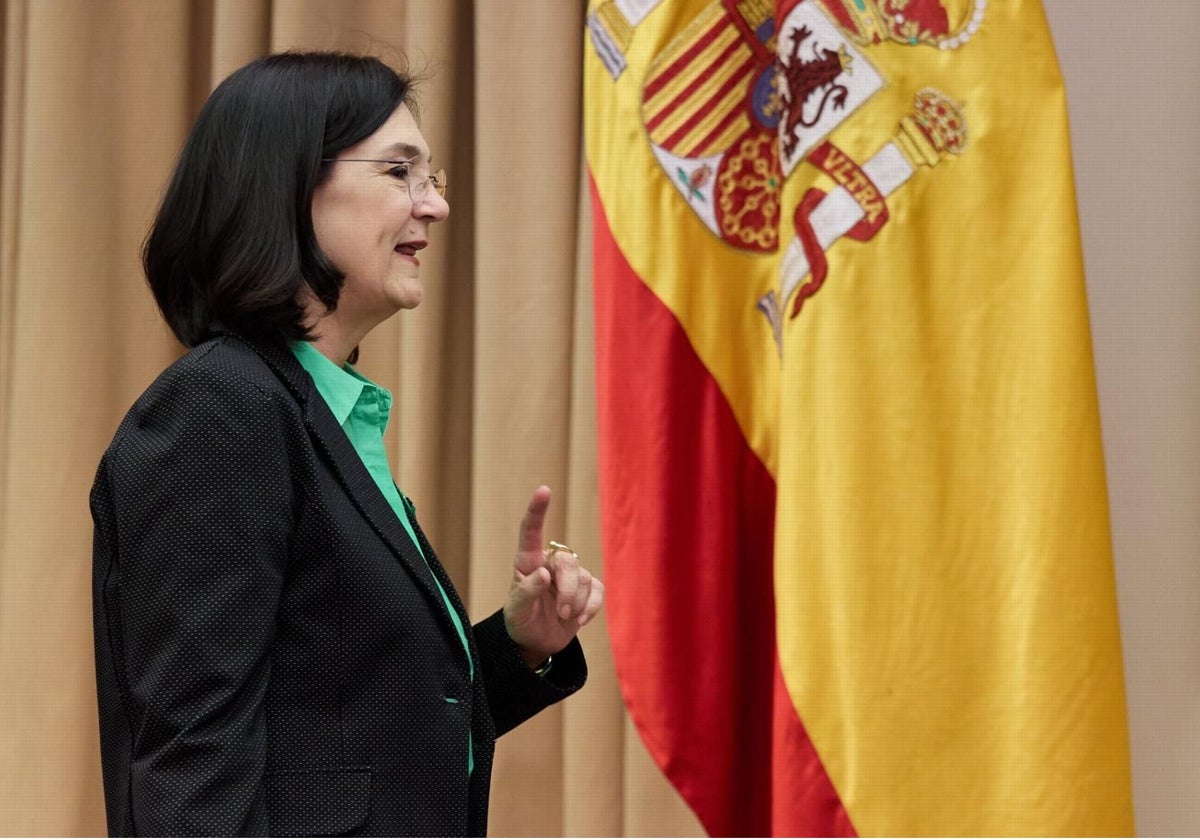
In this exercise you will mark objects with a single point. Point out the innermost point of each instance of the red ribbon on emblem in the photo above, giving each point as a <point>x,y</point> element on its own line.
<point>850,176</point>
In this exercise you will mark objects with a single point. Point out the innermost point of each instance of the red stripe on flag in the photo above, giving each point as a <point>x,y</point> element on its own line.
<point>668,109</point>
<point>687,519</point>
<point>664,76</point>
<point>803,801</point>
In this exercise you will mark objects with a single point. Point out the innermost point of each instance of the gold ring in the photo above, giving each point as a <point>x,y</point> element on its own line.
<point>557,546</point>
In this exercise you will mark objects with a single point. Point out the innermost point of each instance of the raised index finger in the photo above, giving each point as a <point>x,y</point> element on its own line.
<point>530,539</point>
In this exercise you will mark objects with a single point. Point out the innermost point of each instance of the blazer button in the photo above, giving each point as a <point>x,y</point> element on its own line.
<point>456,690</point>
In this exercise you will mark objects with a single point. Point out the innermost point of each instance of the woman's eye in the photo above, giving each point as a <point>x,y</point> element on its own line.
<point>400,172</point>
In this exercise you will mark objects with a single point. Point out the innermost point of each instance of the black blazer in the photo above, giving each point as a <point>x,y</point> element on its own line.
<point>272,654</point>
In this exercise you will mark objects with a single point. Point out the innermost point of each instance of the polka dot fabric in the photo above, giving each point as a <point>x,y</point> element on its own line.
<point>273,656</point>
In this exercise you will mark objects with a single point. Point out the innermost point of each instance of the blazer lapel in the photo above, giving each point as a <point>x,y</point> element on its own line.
<point>331,441</point>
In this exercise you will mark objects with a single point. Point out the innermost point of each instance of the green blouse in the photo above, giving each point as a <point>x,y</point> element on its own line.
<point>362,408</point>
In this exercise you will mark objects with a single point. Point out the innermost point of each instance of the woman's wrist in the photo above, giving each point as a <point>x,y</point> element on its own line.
<point>533,658</point>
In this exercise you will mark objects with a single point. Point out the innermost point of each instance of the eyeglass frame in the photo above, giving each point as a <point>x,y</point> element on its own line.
<point>438,177</point>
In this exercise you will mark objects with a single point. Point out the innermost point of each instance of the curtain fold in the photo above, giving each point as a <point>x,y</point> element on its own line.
<point>492,374</point>
<point>527,154</point>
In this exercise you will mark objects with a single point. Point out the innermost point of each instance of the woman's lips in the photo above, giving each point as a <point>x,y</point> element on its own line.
<point>408,250</point>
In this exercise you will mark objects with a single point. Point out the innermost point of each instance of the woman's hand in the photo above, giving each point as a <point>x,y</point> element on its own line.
<point>552,596</point>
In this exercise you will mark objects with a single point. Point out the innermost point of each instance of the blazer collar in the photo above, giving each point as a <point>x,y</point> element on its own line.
<point>331,441</point>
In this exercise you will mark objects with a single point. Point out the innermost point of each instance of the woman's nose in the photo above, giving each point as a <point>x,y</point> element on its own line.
<point>433,206</point>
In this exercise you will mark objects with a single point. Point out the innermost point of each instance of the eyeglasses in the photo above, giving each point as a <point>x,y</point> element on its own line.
<point>403,170</point>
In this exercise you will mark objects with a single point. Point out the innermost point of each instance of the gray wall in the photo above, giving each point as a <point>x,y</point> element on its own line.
<point>1133,83</point>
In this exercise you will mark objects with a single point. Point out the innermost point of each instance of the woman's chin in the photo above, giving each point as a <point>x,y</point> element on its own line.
<point>406,293</point>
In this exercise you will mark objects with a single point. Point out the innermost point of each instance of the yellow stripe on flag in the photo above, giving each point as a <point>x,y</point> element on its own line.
<point>944,581</point>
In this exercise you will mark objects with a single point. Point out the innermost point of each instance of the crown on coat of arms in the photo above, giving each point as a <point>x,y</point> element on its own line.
<point>935,126</point>
<point>946,24</point>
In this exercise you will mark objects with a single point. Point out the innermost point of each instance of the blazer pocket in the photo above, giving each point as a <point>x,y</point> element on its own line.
<point>318,803</point>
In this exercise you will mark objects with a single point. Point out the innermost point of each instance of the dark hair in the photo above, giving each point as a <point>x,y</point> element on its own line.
<point>233,242</point>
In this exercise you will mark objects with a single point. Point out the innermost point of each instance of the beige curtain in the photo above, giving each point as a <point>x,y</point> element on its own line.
<point>493,374</point>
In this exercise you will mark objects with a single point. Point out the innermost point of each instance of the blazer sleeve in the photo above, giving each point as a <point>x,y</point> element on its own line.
<point>199,497</point>
<point>514,692</point>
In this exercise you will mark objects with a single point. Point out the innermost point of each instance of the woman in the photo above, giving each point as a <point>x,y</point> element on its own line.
<point>278,649</point>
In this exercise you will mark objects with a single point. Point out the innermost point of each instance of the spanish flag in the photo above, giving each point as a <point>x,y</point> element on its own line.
<point>852,487</point>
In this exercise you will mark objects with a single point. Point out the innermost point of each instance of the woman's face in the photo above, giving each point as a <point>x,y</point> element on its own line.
<point>368,225</point>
